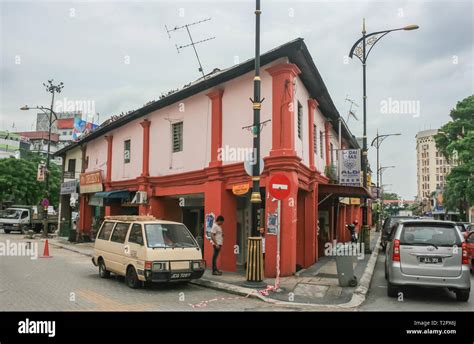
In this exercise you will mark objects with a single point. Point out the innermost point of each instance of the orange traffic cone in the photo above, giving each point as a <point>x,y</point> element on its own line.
<point>46,250</point>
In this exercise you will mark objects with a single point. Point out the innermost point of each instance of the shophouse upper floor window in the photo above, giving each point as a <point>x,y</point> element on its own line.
<point>300,121</point>
<point>126,151</point>
<point>71,165</point>
<point>177,136</point>
<point>321,144</point>
<point>315,139</point>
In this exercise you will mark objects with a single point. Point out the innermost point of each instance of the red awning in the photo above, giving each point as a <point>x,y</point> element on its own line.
<point>343,190</point>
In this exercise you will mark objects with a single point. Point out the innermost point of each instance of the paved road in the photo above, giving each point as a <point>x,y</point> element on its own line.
<point>414,299</point>
<point>69,282</point>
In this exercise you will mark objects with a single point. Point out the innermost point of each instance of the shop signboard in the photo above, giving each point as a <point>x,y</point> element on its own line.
<point>91,182</point>
<point>68,187</point>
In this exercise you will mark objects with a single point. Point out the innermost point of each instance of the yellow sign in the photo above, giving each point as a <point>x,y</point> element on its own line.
<point>240,189</point>
<point>355,200</point>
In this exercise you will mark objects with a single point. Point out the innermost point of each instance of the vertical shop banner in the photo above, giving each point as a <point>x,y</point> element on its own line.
<point>349,167</point>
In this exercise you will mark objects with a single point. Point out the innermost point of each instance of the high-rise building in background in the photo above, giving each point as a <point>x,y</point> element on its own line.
<point>432,169</point>
<point>42,120</point>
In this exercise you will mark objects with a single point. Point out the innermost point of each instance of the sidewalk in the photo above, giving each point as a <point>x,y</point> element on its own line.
<point>85,248</point>
<point>315,287</point>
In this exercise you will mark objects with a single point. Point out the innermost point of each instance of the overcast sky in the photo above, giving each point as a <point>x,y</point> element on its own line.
<point>117,54</point>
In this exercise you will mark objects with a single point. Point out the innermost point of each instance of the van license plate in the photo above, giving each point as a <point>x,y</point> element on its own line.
<point>431,260</point>
<point>180,275</point>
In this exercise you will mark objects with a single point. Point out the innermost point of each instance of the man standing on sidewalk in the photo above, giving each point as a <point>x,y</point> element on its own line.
<point>217,240</point>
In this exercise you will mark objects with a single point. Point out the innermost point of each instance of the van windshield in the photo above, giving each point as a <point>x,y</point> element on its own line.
<point>425,234</point>
<point>168,235</point>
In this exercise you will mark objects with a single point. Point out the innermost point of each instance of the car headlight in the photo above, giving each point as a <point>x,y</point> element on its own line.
<point>199,265</point>
<point>160,266</point>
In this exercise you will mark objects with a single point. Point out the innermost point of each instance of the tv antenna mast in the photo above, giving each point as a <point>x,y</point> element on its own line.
<point>192,44</point>
<point>351,112</point>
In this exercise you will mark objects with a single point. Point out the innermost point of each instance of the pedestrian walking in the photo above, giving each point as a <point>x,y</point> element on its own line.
<point>217,240</point>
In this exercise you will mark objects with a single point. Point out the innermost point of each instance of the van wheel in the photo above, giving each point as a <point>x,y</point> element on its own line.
<point>462,295</point>
<point>7,231</point>
<point>392,291</point>
<point>103,273</point>
<point>132,278</point>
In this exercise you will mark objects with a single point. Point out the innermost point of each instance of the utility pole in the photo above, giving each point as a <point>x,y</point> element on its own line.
<point>361,49</point>
<point>255,271</point>
<point>256,199</point>
<point>51,88</point>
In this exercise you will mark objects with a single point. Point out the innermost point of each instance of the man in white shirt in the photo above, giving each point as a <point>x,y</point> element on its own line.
<point>217,240</point>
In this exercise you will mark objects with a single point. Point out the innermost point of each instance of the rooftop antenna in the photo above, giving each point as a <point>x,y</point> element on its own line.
<point>351,112</point>
<point>192,44</point>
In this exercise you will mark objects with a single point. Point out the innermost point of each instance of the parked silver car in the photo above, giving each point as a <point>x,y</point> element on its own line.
<point>427,253</point>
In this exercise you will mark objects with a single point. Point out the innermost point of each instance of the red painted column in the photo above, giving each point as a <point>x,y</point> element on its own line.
<point>108,176</point>
<point>310,229</point>
<point>283,117</point>
<point>219,201</point>
<point>216,126</point>
<point>113,209</point>
<point>316,218</point>
<point>312,103</point>
<point>157,207</point>
<point>146,148</point>
<point>327,133</point>
<point>341,224</point>
<point>288,230</point>
<point>85,215</point>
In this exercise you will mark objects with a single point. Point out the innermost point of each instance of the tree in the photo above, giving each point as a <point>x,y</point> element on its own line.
<point>455,140</point>
<point>18,182</point>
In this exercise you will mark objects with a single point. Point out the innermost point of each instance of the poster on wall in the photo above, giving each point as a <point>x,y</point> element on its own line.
<point>209,223</point>
<point>272,224</point>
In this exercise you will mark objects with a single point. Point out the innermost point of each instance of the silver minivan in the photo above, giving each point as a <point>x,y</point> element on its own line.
<point>427,253</point>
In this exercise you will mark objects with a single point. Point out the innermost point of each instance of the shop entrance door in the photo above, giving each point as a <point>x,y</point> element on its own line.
<point>324,235</point>
<point>244,226</point>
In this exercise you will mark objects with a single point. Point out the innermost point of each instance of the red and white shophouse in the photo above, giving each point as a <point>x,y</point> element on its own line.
<point>174,154</point>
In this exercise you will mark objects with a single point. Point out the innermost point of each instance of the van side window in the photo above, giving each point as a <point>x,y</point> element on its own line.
<point>24,215</point>
<point>106,230</point>
<point>136,234</point>
<point>120,232</point>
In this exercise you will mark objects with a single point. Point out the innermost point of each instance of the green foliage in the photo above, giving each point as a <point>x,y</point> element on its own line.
<point>390,196</point>
<point>456,140</point>
<point>331,172</point>
<point>18,182</point>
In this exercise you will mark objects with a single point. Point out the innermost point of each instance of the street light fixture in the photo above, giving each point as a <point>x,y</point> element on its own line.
<point>359,49</point>
<point>380,171</point>
<point>376,142</point>
<point>51,88</point>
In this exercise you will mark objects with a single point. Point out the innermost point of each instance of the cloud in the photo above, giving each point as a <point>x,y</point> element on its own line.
<point>88,52</point>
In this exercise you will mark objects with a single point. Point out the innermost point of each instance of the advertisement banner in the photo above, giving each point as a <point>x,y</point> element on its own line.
<point>82,128</point>
<point>349,167</point>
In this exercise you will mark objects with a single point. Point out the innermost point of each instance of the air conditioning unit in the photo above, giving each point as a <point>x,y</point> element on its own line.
<point>140,197</point>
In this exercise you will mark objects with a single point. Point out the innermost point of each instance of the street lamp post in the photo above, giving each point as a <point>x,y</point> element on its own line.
<point>380,173</point>
<point>377,141</point>
<point>359,49</point>
<point>50,87</point>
